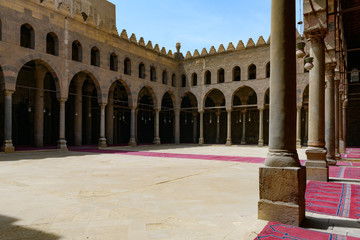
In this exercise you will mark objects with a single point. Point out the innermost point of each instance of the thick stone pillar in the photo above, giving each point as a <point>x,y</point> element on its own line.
<point>102,139</point>
<point>261,127</point>
<point>157,127</point>
<point>336,95</point>
<point>316,165</point>
<point>110,119</point>
<point>243,136</point>
<point>62,141</point>
<point>177,126</point>
<point>298,127</point>
<point>201,138</point>
<point>228,139</point>
<point>132,141</point>
<point>217,139</point>
<point>8,146</point>
<point>306,134</point>
<point>344,122</point>
<point>78,112</point>
<point>330,114</point>
<point>39,76</point>
<point>282,180</point>
<point>195,126</point>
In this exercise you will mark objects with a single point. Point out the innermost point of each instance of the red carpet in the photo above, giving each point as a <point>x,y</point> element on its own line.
<point>174,155</point>
<point>336,199</point>
<point>344,172</point>
<point>275,231</point>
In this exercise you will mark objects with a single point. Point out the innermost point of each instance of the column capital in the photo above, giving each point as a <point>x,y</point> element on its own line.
<point>62,100</point>
<point>102,105</point>
<point>8,93</point>
<point>244,111</point>
<point>261,109</point>
<point>330,69</point>
<point>299,107</point>
<point>316,35</point>
<point>345,103</point>
<point>229,110</point>
<point>201,111</point>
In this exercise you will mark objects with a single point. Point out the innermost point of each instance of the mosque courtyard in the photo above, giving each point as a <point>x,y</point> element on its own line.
<point>147,192</point>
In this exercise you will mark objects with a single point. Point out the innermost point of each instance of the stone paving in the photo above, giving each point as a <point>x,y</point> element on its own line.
<point>74,195</point>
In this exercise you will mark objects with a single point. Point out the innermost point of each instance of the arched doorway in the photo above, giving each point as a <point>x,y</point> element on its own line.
<point>118,115</point>
<point>167,121</point>
<point>245,117</point>
<point>35,106</point>
<point>189,124</point>
<point>83,111</point>
<point>145,116</point>
<point>215,117</point>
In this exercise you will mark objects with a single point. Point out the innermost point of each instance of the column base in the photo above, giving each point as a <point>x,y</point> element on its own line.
<point>132,142</point>
<point>243,142</point>
<point>260,143</point>
<point>8,146</point>
<point>331,161</point>
<point>316,165</point>
<point>157,141</point>
<point>282,194</point>
<point>298,144</point>
<point>201,141</point>
<point>62,145</point>
<point>228,142</point>
<point>342,148</point>
<point>102,143</point>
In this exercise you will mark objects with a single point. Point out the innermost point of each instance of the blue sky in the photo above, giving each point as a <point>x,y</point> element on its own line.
<point>194,23</point>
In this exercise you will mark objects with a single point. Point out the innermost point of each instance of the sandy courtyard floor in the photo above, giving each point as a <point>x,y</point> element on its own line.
<point>74,195</point>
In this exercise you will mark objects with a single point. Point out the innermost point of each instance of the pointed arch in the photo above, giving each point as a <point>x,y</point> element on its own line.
<point>95,57</point>
<point>52,44</point>
<point>76,51</point>
<point>194,79</point>
<point>207,77</point>
<point>221,75</point>
<point>27,36</point>
<point>236,74</point>
<point>252,72</point>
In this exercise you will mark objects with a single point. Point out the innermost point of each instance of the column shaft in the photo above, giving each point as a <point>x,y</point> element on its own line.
<point>8,145</point>
<point>157,127</point>
<point>177,126</point>
<point>228,139</point>
<point>39,107</point>
<point>344,122</point>
<point>62,141</point>
<point>78,113</point>
<point>88,116</point>
<point>261,127</point>
<point>336,94</point>
<point>110,119</point>
<point>132,141</point>
<point>298,127</point>
<point>330,114</point>
<point>201,138</point>
<point>102,139</point>
<point>243,136</point>
<point>217,139</point>
<point>195,126</point>
<point>341,136</point>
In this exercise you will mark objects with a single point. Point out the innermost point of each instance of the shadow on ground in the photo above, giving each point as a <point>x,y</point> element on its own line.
<point>10,231</point>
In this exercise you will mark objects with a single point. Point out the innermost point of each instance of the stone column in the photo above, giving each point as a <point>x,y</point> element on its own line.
<point>298,127</point>
<point>341,139</point>
<point>78,112</point>
<point>243,136</point>
<point>177,125</point>
<point>88,116</point>
<point>261,127</point>
<point>330,114</point>
<point>282,180</point>
<point>306,134</point>
<point>316,165</point>
<point>157,127</point>
<point>228,139</point>
<point>217,139</point>
<point>8,144</point>
<point>110,119</point>
<point>39,75</point>
<point>102,139</point>
<point>62,142</point>
<point>195,127</point>
<point>336,95</point>
<point>132,141</point>
<point>201,138</point>
<point>344,122</point>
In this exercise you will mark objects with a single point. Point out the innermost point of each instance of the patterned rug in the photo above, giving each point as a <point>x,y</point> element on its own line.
<point>344,172</point>
<point>336,199</point>
<point>275,231</point>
